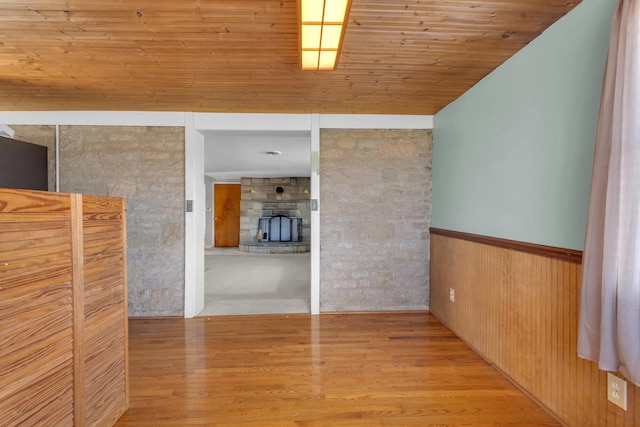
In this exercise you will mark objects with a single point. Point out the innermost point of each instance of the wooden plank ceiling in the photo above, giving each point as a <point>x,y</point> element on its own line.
<point>398,57</point>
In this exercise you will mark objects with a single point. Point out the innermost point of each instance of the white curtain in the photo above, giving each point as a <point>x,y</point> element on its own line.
<point>609,328</point>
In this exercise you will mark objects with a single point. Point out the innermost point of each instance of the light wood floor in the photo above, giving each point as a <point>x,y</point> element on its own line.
<point>379,369</point>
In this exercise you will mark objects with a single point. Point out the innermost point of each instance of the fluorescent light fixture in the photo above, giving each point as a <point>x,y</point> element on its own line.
<point>322,24</point>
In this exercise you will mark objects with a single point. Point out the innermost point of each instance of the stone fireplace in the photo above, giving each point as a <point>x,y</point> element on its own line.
<point>275,215</point>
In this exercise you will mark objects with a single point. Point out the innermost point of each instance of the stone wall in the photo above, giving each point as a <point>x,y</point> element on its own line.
<point>375,203</point>
<point>146,166</point>
<point>259,199</point>
<point>375,209</point>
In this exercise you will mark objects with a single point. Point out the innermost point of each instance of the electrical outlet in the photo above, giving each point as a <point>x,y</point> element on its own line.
<point>617,390</point>
<point>452,295</point>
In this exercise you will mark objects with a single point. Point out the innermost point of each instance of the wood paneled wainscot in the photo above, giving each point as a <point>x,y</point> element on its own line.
<point>63,309</point>
<point>517,305</point>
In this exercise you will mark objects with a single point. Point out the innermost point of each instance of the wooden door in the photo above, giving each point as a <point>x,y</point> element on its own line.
<point>226,218</point>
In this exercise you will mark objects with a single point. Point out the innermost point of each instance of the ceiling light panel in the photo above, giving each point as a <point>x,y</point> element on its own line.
<point>322,24</point>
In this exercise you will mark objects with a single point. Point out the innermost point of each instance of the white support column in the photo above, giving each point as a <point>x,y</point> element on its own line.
<point>194,220</point>
<point>315,214</point>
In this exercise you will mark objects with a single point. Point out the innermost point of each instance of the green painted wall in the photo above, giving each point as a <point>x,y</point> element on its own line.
<point>512,157</point>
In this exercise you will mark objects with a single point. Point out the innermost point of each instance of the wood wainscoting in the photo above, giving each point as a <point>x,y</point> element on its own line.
<point>517,306</point>
<point>63,309</point>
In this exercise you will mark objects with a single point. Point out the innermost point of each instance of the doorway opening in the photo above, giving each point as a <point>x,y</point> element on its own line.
<point>246,273</point>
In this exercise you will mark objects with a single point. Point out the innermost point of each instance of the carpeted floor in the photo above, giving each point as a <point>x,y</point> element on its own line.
<point>242,283</point>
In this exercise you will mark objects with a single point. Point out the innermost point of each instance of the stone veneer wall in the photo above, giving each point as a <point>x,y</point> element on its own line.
<point>258,199</point>
<point>375,209</point>
<point>41,135</point>
<point>146,166</point>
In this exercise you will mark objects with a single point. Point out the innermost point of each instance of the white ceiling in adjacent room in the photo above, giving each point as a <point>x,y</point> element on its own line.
<point>231,155</point>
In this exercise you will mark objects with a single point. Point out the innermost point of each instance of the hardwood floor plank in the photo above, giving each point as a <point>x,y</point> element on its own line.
<point>370,369</point>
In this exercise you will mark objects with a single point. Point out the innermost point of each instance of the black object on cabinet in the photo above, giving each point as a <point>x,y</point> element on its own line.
<point>23,165</point>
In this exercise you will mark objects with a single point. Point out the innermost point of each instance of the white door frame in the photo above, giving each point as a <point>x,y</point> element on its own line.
<point>194,224</point>
<point>194,174</point>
